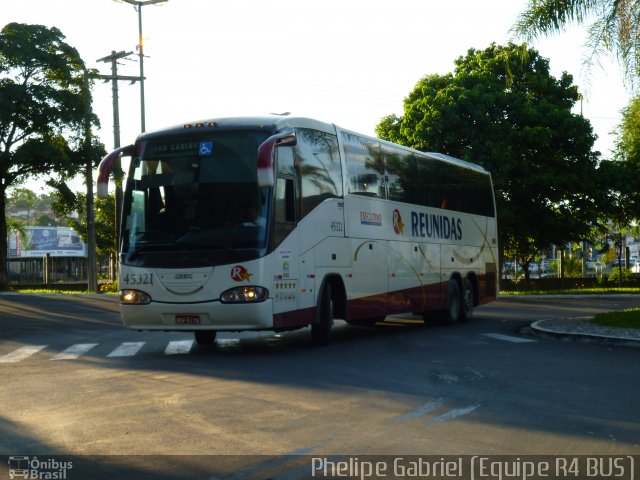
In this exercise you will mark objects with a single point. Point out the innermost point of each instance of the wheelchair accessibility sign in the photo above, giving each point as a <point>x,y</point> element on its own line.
<point>206,148</point>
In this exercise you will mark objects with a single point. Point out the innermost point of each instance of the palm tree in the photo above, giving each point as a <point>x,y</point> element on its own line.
<point>615,27</point>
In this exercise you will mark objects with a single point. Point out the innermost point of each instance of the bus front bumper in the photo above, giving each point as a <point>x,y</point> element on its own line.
<point>198,316</point>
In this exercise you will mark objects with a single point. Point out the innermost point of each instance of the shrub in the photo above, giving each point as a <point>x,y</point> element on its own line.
<point>108,287</point>
<point>615,274</point>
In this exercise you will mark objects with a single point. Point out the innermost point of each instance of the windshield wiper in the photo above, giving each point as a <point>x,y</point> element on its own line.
<point>135,251</point>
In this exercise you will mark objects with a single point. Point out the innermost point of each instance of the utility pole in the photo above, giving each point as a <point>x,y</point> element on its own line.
<point>118,174</point>
<point>92,275</point>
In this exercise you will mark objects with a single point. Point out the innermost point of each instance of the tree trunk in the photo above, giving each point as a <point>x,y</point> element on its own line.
<point>525,270</point>
<point>4,247</point>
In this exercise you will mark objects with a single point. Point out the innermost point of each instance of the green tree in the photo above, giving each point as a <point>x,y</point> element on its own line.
<point>512,117</point>
<point>43,104</point>
<point>614,27</point>
<point>23,199</point>
<point>15,226</point>
<point>628,134</point>
<point>627,163</point>
<point>66,204</point>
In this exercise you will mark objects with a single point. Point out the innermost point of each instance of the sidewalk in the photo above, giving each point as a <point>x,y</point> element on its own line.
<point>583,329</point>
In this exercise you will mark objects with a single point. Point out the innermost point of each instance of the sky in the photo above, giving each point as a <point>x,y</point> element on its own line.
<point>348,62</point>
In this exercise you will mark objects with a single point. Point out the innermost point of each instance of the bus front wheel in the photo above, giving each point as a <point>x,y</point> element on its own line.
<point>321,328</point>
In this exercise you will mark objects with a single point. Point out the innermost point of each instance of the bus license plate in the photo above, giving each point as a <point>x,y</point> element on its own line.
<point>188,319</point>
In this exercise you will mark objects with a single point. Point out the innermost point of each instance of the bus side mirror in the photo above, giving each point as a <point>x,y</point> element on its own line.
<point>106,167</point>
<point>266,156</point>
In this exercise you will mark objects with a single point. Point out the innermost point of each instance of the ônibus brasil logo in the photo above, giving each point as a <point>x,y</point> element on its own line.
<point>31,467</point>
<point>398,226</point>
<point>240,274</point>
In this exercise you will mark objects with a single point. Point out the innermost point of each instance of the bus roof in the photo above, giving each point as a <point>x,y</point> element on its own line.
<point>270,122</point>
<point>277,122</point>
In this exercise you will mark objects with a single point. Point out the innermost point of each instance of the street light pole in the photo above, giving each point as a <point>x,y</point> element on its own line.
<point>138,4</point>
<point>141,53</point>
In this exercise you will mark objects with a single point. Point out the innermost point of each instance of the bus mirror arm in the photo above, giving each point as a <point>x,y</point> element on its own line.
<point>106,167</point>
<point>266,155</point>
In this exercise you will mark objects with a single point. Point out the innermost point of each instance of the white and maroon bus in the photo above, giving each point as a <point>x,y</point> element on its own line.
<point>278,223</point>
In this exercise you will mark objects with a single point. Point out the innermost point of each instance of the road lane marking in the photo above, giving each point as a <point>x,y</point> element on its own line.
<point>178,347</point>
<point>450,415</point>
<point>420,411</point>
<point>74,351</point>
<point>508,338</point>
<point>127,349</point>
<point>21,353</point>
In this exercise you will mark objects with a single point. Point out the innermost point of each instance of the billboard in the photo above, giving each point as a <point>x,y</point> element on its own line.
<point>40,241</point>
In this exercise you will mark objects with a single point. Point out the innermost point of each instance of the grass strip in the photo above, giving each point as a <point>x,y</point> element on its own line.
<point>629,318</point>
<point>580,291</point>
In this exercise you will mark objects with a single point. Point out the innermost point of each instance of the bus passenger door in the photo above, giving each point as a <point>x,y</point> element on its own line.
<point>286,245</point>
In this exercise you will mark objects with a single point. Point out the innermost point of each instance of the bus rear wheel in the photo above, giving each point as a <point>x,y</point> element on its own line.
<point>205,337</point>
<point>467,301</point>
<point>321,328</point>
<point>453,305</point>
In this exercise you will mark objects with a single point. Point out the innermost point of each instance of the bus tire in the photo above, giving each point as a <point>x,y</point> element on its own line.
<point>321,328</point>
<point>452,313</point>
<point>467,301</point>
<point>205,337</point>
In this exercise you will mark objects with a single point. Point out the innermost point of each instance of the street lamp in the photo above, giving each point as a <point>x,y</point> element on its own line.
<point>138,4</point>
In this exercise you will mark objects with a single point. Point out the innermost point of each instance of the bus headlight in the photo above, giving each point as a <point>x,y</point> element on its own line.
<point>244,295</point>
<point>134,297</point>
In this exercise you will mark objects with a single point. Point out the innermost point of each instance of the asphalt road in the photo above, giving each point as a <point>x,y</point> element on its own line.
<point>75,382</point>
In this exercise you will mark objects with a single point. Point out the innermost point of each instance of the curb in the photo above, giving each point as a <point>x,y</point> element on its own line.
<point>53,294</point>
<point>536,330</point>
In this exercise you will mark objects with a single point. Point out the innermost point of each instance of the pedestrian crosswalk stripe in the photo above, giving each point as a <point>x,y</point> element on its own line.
<point>21,353</point>
<point>420,411</point>
<point>127,349</point>
<point>74,351</point>
<point>175,347</point>
<point>178,347</point>
<point>509,338</point>
<point>453,414</point>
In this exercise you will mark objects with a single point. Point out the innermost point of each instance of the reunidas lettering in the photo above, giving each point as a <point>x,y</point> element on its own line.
<point>428,225</point>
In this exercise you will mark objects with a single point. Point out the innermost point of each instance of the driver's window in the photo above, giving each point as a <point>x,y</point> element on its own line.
<point>285,212</point>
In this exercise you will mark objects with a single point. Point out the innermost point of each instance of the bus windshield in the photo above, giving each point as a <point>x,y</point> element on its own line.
<point>196,195</point>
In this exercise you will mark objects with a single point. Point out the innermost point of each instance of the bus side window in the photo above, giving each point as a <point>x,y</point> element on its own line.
<point>365,166</point>
<point>317,163</point>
